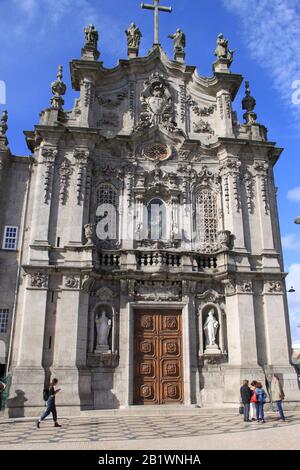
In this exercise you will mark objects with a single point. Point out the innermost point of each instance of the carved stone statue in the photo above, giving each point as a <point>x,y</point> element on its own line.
<point>179,40</point>
<point>222,51</point>
<point>103,326</point>
<point>210,329</point>
<point>90,49</point>
<point>134,36</point>
<point>91,36</point>
<point>3,122</point>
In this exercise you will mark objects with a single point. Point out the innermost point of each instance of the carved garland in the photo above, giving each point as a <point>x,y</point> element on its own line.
<point>249,188</point>
<point>39,280</point>
<point>231,168</point>
<point>49,156</point>
<point>72,282</point>
<point>262,175</point>
<point>65,170</point>
<point>81,158</point>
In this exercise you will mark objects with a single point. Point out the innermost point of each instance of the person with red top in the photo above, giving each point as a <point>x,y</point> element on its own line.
<point>253,400</point>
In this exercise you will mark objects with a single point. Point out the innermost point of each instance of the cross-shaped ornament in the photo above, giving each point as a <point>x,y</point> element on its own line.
<point>156,9</point>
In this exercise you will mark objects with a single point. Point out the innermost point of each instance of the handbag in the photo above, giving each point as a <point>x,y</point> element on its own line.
<point>241,410</point>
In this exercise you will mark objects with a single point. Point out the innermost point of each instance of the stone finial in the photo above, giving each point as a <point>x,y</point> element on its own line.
<point>224,55</point>
<point>3,123</point>
<point>249,103</point>
<point>179,45</point>
<point>90,49</point>
<point>58,89</point>
<point>134,36</point>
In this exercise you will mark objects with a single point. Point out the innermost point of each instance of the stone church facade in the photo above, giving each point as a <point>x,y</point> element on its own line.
<point>147,268</point>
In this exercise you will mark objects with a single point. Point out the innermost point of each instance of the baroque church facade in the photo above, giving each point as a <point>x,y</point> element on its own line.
<point>141,261</point>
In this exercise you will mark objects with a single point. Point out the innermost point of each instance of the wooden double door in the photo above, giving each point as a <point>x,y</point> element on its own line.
<point>158,370</point>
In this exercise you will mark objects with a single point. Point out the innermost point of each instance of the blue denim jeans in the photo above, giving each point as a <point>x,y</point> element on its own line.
<point>259,411</point>
<point>246,411</point>
<point>279,408</point>
<point>51,408</point>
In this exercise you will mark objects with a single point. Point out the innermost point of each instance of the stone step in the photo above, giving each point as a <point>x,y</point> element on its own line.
<point>154,410</point>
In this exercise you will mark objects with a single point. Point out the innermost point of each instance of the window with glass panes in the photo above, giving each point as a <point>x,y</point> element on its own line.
<point>3,319</point>
<point>10,238</point>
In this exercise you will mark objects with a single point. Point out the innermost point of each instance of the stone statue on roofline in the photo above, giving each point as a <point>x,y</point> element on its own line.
<point>179,44</point>
<point>222,52</point>
<point>134,36</point>
<point>91,35</point>
<point>90,49</point>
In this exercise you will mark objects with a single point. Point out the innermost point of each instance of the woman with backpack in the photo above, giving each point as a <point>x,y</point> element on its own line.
<point>261,400</point>
<point>51,408</point>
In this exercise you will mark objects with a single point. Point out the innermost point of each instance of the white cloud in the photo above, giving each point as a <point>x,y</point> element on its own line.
<point>291,242</point>
<point>294,195</point>
<point>293,279</point>
<point>271,31</point>
<point>33,21</point>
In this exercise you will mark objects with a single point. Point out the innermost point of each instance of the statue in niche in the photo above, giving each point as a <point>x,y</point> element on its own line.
<point>133,36</point>
<point>103,326</point>
<point>210,329</point>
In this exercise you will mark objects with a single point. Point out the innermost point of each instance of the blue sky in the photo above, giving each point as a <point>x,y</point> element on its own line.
<point>38,35</point>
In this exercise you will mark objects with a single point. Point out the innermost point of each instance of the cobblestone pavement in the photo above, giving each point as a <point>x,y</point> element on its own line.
<point>142,432</point>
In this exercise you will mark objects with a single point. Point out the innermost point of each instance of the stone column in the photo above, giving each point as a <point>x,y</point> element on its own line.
<point>42,202</point>
<point>276,328</point>
<point>277,337</point>
<point>241,338</point>
<point>124,373</point>
<point>224,114</point>
<point>87,98</point>
<point>264,213</point>
<point>128,207</point>
<point>79,200</point>
<point>29,376</point>
<point>70,344</point>
<point>232,207</point>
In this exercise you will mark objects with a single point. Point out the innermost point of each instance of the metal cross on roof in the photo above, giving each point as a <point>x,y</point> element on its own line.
<point>156,9</point>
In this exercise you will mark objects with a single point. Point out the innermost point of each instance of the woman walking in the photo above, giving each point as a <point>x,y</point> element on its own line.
<point>51,408</point>
<point>261,400</point>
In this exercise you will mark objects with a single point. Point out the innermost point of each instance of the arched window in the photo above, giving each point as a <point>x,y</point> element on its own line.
<point>107,211</point>
<point>207,222</point>
<point>156,220</point>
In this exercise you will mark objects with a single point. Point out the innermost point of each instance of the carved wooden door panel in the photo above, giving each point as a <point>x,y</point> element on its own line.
<point>158,373</point>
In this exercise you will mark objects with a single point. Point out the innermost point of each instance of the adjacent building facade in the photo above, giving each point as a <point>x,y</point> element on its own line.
<point>141,260</point>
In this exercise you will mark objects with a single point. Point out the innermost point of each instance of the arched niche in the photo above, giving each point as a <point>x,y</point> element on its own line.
<point>219,315</point>
<point>111,315</point>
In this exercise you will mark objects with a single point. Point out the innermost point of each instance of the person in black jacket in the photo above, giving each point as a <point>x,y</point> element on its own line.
<point>246,397</point>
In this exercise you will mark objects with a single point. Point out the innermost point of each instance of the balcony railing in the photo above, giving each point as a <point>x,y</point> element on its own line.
<point>157,260</point>
<point>203,262</point>
<point>109,260</point>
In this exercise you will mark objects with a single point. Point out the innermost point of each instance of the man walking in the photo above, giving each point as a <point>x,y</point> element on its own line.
<point>51,408</point>
<point>246,397</point>
<point>278,395</point>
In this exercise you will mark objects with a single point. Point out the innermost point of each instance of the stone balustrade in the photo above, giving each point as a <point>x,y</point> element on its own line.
<point>156,260</point>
